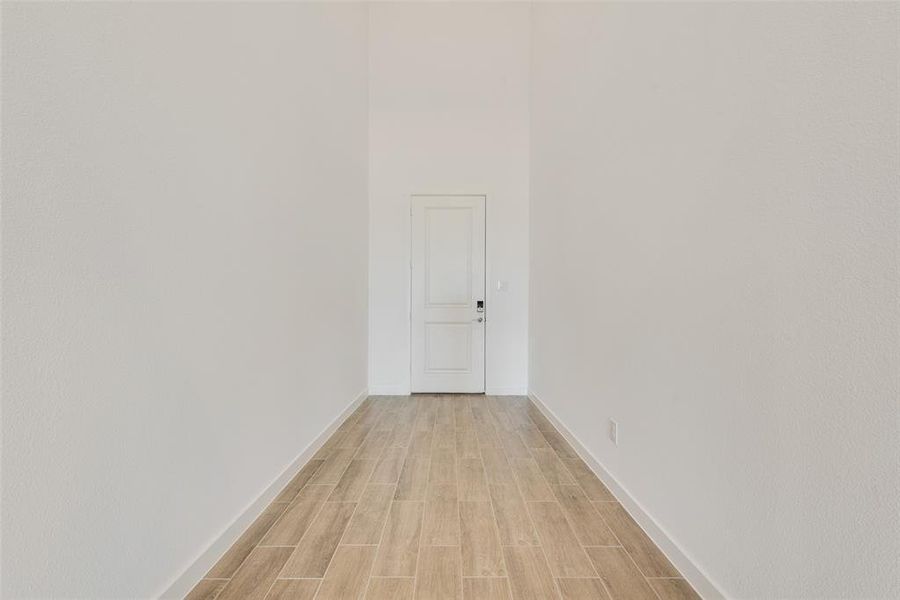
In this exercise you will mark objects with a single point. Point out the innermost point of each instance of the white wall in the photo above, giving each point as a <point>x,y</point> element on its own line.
<point>448,87</point>
<point>715,209</point>
<point>184,274</point>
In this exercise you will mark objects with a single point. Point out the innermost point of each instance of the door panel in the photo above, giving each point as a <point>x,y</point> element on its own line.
<point>448,347</point>
<point>447,271</point>
<point>448,257</point>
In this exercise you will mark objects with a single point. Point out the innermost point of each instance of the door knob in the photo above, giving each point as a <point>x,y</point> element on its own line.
<point>479,319</point>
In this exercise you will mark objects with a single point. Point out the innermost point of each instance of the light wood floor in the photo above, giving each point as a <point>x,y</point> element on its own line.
<point>444,497</point>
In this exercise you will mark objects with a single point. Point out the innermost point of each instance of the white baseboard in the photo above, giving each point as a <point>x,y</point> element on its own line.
<point>506,391</point>
<point>183,584</point>
<point>396,389</point>
<point>400,389</point>
<point>689,570</point>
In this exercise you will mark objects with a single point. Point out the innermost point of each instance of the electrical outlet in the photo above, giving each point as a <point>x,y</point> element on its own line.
<point>614,432</point>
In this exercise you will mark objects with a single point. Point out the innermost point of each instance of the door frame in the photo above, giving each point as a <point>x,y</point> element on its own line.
<point>412,199</point>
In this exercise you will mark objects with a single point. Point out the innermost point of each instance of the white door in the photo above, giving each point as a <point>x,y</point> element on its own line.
<point>448,312</point>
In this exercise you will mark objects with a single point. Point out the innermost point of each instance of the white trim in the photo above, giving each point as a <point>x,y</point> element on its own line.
<point>389,389</point>
<point>506,391</point>
<point>401,389</point>
<point>678,557</point>
<point>183,584</point>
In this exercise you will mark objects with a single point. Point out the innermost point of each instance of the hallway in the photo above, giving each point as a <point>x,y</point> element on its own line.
<point>304,300</point>
<point>444,497</point>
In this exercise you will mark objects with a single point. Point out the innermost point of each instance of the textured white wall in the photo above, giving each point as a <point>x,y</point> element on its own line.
<point>184,274</point>
<point>449,114</point>
<point>714,247</point>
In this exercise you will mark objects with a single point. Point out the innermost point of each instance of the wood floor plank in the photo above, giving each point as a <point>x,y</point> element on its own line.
<point>353,419</point>
<point>253,579</point>
<point>443,466</point>
<point>521,419</point>
<point>413,478</point>
<point>621,577</point>
<point>406,415</point>
<point>553,469</point>
<point>479,411</point>
<point>442,491</point>
<point>437,577</point>
<point>330,444</point>
<point>513,445</point>
<point>582,589</point>
<point>333,468</point>
<point>472,482</point>
<point>294,589</point>
<point>353,481</point>
<point>372,414</point>
<point>592,486</point>
<point>232,559</point>
<point>502,420</point>
<point>531,481</point>
<point>559,444</point>
<point>391,588</point>
<point>539,420</point>
<point>293,488</point>
<point>425,418</point>
<point>444,413</point>
<point>467,444</point>
<point>371,512</point>
<point>315,550</point>
<point>289,529</point>
<point>649,559</point>
<point>400,543</point>
<point>207,589</point>
<point>564,553</point>
<point>373,445</point>
<point>420,444</point>
<point>513,520</point>
<point>444,436</point>
<point>487,437</point>
<point>519,416</point>
<point>532,436</point>
<point>348,573</point>
<point>589,526</point>
<point>673,589</point>
<point>355,437</point>
<point>529,575</point>
<point>486,588</point>
<point>388,468</point>
<point>496,468</point>
<point>462,415</point>
<point>387,421</point>
<point>400,436</point>
<point>441,523</point>
<point>480,545</point>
